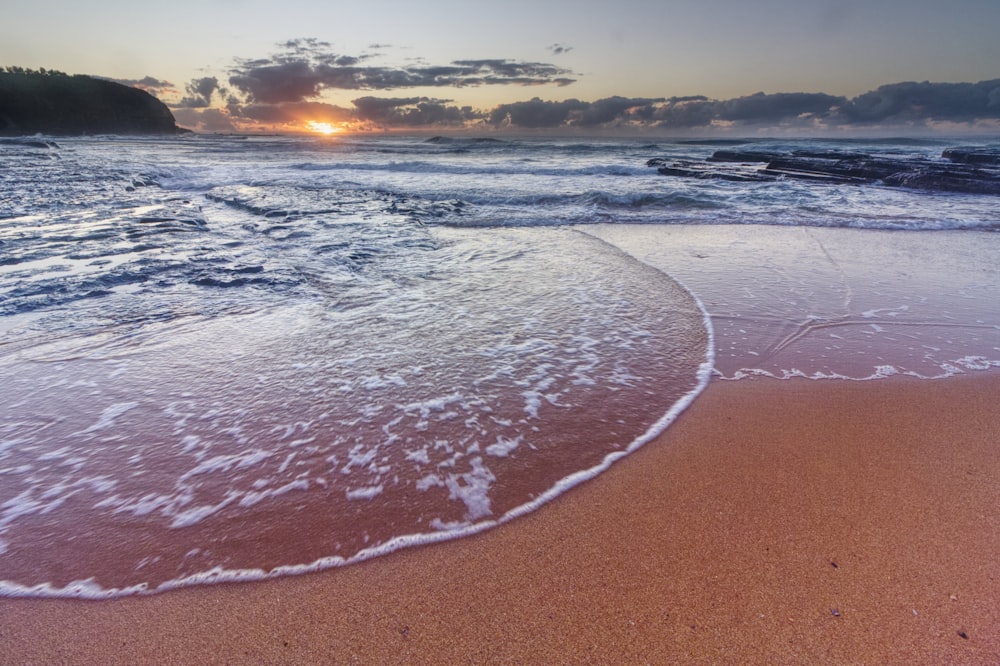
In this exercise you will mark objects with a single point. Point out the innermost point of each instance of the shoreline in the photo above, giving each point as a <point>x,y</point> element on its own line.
<point>774,521</point>
<point>838,303</point>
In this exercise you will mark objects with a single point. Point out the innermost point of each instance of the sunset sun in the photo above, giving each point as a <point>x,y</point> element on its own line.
<point>322,128</point>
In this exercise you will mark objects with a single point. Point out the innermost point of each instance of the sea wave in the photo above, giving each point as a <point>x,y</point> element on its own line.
<point>479,379</point>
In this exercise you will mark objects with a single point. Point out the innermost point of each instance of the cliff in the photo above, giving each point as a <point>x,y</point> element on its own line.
<point>58,104</point>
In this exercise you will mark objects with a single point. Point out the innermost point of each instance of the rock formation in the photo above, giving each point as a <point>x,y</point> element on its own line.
<point>967,170</point>
<point>58,104</point>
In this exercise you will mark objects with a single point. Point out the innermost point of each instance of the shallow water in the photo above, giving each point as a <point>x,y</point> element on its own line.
<point>230,359</point>
<point>300,435</point>
<point>834,303</point>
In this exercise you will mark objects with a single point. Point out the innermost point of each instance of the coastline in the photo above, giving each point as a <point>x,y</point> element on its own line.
<point>775,521</point>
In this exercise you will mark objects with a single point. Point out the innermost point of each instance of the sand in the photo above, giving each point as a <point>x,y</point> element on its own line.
<point>775,522</point>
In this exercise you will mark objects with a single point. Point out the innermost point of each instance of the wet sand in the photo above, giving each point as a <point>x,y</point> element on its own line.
<point>775,522</point>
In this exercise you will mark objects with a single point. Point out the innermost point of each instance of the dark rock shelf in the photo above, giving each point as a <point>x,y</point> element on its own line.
<point>964,170</point>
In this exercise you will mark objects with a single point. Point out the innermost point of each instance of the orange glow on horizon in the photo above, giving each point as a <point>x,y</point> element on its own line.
<point>323,128</point>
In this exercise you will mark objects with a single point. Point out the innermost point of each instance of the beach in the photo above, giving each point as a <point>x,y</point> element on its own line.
<point>810,410</point>
<point>775,522</point>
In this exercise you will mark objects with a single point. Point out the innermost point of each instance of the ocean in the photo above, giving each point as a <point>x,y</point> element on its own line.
<point>233,358</point>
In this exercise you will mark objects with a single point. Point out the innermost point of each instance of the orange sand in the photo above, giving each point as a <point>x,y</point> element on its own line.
<point>774,522</point>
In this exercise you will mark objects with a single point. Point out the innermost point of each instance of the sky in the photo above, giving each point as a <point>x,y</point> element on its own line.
<point>682,65</point>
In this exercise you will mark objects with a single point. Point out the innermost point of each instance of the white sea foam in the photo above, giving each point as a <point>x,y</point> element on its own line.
<point>253,497</point>
<point>109,415</point>
<point>472,488</point>
<point>196,514</point>
<point>365,493</point>
<point>225,463</point>
<point>418,456</point>
<point>504,447</point>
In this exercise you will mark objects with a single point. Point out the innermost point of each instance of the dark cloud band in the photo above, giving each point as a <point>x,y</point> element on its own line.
<point>895,104</point>
<point>901,104</point>
<point>305,68</point>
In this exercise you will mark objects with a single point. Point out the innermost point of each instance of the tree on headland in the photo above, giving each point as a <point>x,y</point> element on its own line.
<point>41,71</point>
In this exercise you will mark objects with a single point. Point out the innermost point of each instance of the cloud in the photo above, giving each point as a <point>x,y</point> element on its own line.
<point>272,83</point>
<point>293,113</point>
<point>503,72</point>
<point>367,113</point>
<point>752,110</point>
<point>149,84</point>
<point>777,107</point>
<point>610,111</point>
<point>559,49</point>
<point>413,112</point>
<point>307,67</point>
<point>606,112</point>
<point>200,92</point>
<point>918,102</point>
<point>305,46</point>
<point>910,104</point>
<point>535,113</point>
<point>897,104</point>
<point>205,120</point>
<point>681,113</point>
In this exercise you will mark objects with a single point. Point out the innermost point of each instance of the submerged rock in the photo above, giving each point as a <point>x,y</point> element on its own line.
<point>44,144</point>
<point>973,155</point>
<point>747,156</point>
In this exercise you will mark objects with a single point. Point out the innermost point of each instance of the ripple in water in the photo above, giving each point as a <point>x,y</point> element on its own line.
<point>304,433</point>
